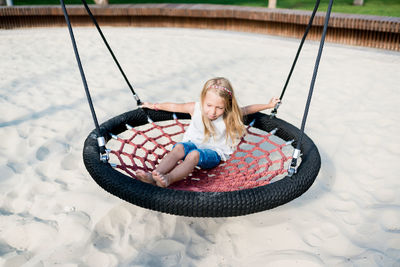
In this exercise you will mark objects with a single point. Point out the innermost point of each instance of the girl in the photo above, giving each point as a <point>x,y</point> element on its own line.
<point>214,131</point>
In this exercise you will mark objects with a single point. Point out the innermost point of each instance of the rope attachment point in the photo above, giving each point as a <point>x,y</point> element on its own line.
<point>139,103</point>
<point>275,110</point>
<point>104,152</point>
<point>293,165</point>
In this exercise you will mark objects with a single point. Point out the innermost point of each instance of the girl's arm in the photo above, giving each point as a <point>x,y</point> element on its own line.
<point>258,107</point>
<point>171,107</point>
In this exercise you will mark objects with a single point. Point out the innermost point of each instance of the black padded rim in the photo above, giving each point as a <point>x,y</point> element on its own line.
<point>201,204</point>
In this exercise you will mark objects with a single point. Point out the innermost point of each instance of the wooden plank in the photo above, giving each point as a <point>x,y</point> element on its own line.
<point>363,30</point>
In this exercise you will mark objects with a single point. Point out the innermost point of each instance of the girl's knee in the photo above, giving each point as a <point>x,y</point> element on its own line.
<point>193,156</point>
<point>179,149</point>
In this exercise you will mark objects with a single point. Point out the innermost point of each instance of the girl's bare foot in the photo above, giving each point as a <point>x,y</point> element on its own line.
<point>160,179</point>
<point>146,177</point>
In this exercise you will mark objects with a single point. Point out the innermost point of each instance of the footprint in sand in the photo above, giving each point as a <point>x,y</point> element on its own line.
<point>69,162</point>
<point>317,236</point>
<point>166,247</point>
<point>7,172</point>
<point>42,153</point>
<point>165,252</point>
<point>390,220</point>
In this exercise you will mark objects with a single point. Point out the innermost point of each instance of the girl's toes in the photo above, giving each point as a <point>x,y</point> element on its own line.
<point>160,179</point>
<point>145,177</point>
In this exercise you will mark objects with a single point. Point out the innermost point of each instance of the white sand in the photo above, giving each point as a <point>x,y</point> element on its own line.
<point>52,212</point>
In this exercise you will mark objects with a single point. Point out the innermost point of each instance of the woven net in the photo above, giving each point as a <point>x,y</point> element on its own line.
<point>260,157</point>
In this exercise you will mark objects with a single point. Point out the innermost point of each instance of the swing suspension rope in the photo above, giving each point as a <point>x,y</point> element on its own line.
<point>104,153</point>
<point>138,102</point>
<point>275,110</point>
<point>100,139</point>
<point>293,166</point>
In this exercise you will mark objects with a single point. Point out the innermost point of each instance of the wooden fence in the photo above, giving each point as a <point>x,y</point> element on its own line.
<point>350,29</point>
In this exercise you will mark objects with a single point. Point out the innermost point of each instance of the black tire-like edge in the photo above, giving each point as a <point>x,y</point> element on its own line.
<point>201,204</point>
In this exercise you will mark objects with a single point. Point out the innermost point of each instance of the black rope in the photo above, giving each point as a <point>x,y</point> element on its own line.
<point>89,99</point>
<point>275,110</point>
<point>111,52</point>
<point>321,46</point>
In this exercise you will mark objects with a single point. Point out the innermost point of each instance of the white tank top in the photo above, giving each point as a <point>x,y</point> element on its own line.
<point>195,134</point>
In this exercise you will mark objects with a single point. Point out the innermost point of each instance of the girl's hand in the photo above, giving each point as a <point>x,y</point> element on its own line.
<point>274,101</point>
<point>149,105</point>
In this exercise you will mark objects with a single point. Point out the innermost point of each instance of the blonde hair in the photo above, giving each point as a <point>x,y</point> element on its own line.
<point>232,116</point>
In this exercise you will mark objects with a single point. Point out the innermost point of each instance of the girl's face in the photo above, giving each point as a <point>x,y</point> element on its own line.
<point>213,105</point>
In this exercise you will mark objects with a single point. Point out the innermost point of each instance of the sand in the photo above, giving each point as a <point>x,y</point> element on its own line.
<point>53,213</point>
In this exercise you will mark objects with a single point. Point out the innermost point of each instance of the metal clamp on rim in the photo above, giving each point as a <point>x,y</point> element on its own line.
<point>293,165</point>
<point>104,152</point>
<point>138,101</point>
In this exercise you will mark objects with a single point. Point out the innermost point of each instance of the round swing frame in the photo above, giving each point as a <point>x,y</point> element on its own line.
<point>201,204</point>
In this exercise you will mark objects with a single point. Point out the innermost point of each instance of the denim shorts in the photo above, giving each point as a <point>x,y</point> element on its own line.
<point>208,157</point>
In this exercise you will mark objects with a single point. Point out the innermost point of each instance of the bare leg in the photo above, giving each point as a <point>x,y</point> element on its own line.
<point>171,159</point>
<point>165,166</point>
<point>179,172</point>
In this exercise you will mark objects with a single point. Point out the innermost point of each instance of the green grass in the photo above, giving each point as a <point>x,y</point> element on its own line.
<point>371,7</point>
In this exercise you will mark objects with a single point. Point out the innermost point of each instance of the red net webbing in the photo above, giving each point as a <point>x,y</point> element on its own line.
<point>260,157</point>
